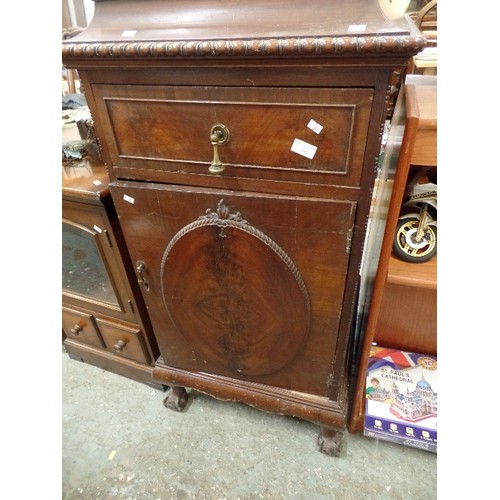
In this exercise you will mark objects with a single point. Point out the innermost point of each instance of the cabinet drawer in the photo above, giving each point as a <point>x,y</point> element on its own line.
<point>122,340</point>
<point>80,326</point>
<point>297,134</point>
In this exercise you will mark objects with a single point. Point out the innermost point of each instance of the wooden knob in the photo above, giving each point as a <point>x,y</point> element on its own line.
<point>118,347</point>
<point>76,329</point>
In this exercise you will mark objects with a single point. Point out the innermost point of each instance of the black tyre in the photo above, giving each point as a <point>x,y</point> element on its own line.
<point>407,248</point>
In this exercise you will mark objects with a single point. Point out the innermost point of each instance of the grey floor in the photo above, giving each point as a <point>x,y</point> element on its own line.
<point>120,442</point>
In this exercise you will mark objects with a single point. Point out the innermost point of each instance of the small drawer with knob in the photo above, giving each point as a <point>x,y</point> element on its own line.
<point>80,327</point>
<point>123,340</point>
<point>201,134</point>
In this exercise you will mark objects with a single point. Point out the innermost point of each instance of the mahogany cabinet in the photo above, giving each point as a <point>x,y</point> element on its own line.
<point>241,139</point>
<point>104,319</point>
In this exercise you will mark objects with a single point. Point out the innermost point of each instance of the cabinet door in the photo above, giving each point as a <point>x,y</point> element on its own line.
<point>84,271</point>
<point>243,285</point>
<point>93,273</point>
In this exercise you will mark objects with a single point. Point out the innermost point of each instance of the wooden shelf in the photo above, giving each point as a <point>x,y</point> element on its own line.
<point>422,275</point>
<point>425,143</point>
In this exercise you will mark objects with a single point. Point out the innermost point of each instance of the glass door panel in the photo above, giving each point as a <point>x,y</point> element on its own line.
<point>83,269</point>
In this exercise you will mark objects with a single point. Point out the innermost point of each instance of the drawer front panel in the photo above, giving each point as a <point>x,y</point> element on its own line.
<point>288,134</point>
<point>241,284</point>
<point>80,327</point>
<point>123,341</point>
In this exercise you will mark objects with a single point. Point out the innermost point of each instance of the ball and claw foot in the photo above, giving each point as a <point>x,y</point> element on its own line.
<point>330,442</point>
<point>177,398</point>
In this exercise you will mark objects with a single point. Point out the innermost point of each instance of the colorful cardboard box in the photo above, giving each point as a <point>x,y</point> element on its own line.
<point>401,398</point>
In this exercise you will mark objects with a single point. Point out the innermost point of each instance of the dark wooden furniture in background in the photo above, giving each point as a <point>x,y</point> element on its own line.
<point>105,322</point>
<point>242,139</point>
<point>403,307</point>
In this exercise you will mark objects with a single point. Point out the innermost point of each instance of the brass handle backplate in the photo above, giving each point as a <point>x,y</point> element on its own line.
<point>219,134</point>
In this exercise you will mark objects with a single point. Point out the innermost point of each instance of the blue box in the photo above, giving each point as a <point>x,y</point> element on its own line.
<point>401,398</point>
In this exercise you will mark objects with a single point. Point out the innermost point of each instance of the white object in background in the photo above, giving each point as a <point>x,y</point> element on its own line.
<point>394,9</point>
<point>89,7</point>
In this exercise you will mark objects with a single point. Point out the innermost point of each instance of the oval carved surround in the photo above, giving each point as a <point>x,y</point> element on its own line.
<point>235,294</point>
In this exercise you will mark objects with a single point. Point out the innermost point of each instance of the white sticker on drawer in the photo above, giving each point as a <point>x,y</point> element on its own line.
<point>98,229</point>
<point>129,33</point>
<point>128,198</point>
<point>304,149</point>
<point>315,126</point>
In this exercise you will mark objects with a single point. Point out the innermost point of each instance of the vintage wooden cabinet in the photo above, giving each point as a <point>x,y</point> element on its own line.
<point>242,139</point>
<point>104,318</point>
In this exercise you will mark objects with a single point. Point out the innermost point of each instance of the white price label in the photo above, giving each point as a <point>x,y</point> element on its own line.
<point>129,33</point>
<point>304,149</point>
<point>357,28</point>
<point>128,198</point>
<point>315,126</point>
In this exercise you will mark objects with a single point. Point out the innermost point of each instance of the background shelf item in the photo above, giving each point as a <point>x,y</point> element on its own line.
<point>104,319</point>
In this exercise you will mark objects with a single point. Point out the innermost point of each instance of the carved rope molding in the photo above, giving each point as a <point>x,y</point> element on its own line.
<point>223,218</point>
<point>409,44</point>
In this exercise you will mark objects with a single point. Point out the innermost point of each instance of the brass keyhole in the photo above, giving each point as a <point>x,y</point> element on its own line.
<point>140,269</point>
<point>219,134</point>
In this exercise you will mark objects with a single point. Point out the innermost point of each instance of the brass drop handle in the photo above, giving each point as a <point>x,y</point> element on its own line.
<point>118,347</point>
<point>140,268</point>
<point>76,330</point>
<point>219,134</point>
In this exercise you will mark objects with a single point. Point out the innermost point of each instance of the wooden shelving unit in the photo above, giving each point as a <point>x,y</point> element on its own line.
<point>403,305</point>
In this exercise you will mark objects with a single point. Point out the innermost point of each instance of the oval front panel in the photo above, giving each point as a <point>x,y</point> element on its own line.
<point>236,296</point>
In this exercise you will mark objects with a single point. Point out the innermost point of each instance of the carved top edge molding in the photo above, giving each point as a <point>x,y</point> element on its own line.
<point>323,46</point>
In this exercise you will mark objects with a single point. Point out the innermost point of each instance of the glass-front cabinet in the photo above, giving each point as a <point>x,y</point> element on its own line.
<point>84,272</point>
<point>104,320</point>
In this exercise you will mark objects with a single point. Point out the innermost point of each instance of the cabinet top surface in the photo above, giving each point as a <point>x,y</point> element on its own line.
<point>87,178</point>
<point>427,103</point>
<point>232,28</point>
<point>422,103</point>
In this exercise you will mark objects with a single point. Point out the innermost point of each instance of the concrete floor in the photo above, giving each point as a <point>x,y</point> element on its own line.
<point>120,442</point>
